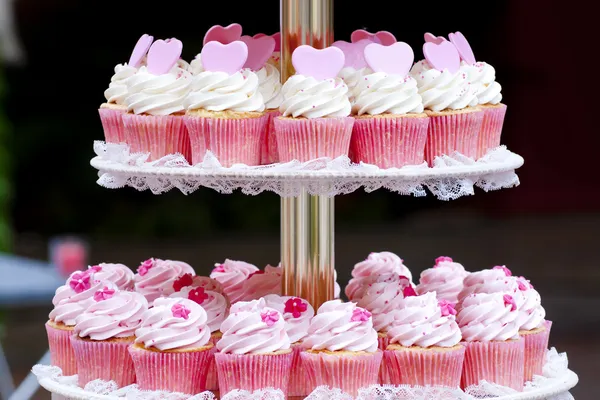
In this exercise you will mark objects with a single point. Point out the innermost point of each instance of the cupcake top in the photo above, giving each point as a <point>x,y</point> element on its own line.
<point>445,278</point>
<point>71,299</point>
<point>497,279</point>
<point>215,304</point>
<point>425,321</point>
<point>296,313</point>
<point>352,77</point>
<point>383,299</point>
<point>174,324</point>
<point>355,66</point>
<point>113,314</point>
<point>156,277</point>
<point>261,283</point>
<point>269,81</point>
<point>531,312</point>
<point>341,326</point>
<point>486,317</point>
<point>232,275</point>
<point>260,49</point>
<point>254,330</point>
<point>119,274</point>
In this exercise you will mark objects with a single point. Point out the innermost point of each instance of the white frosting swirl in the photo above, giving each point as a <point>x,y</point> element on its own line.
<point>352,77</point>
<point>531,312</point>
<point>269,81</point>
<point>219,91</point>
<point>307,97</point>
<point>483,77</point>
<point>446,279</point>
<point>196,66</point>
<point>487,316</point>
<point>117,89</point>
<point>380,93</point>
<point>298,315</point>
<point>214,303</point>
<point>119,274</point>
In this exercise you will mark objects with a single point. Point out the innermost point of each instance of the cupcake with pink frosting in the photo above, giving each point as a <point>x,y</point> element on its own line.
<point>232,276</point>
<point>341,348</point>
<point>424,344</point>
<point>297,314</point>
<point>172,348</point>
<point>489,323</point>
<point>495,280</point>
<point>254,352</point>
<point>445,278</point>
<point>156,277</point>
<point>119,274</point>
<point>262,283</point>
<point>103,334</point>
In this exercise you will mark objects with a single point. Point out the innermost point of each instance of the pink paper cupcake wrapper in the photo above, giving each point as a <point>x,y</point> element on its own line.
<point>253,371</point>
<point>232,141</point>
<point>425,367</point>
<point>306,139</point>
<point>183,372</point>
<point>299,385</point>
<point>384,377</point>
<point>112,123</point>
<point>453,132</point>
<point>61,351</point>
<point>268,147</point>
<point>109,361</point>
<point>160,135</point>
<point>536,348</point>
<point>491,129</point>
<point>212,379</point>
<point>496,362</point>
<point>347,372</point>
<point>389,142</point>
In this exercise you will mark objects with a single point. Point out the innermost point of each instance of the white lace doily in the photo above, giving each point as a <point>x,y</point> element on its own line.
<point>451,177</point>
<point>554,384</point>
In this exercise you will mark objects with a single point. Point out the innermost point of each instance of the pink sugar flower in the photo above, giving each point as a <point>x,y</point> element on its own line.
<point>219,268</point>
<point>80,281</point>
<point>269,317</point>
<point>180,311</point>
<point>104,294</point>
<point>503,268</point>
<point>145,266</point>
<point>198,295</point>
<point>509,300</point>
<point>295,306</point>
<point>409,291</point>
<point>360,315</point>
<point>447,308</point>
<point>95,268</point>
<point>442,259</point>
<point>183,281</point>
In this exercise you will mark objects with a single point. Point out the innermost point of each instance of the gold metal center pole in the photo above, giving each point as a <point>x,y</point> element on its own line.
<point>307,222</point>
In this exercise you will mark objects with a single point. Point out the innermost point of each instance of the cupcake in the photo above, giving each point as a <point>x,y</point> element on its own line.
<point>69,302</point>
<point>103,334</point>
<point>533,328</point>
<point>172,348</point>
<point>111,112</point>
<point>494,280</point>
<point>368,271</point>
<point>154,121</point>
<point>490,330</point>
<point>297,314</point>
<point>449,101</point>
<point>232,275</point>
<point>355,67</point>
<point>424,347</point>
<point>315,120</point>
<point>390,128</point>
<point>262,283</point>
<point>341,348</point>
<point>225,109</point>
<point>118,274</point>
<point>445,278</point>
<point>156,277</point>
<point>254,352</point>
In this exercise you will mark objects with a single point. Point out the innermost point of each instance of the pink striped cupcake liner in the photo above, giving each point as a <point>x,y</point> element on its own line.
<point>183,372</point>
<point>389,141</point>
<point>491,128</point>
<point>306,139</point>
<point>112,123</point>
<point>268,147</point>
<point>212,379</point>
<point>231,140</point>
<point>450,132</point>
<point>61,351</point>
<point>159,135</point>
<point>383,342</point>
<point>536,347</point>
<point>346,371</point>
<point>253,371</point>
<point>299,385</point>
<point>496,362</point>
<point>106,360</point>
<point>424,366</point>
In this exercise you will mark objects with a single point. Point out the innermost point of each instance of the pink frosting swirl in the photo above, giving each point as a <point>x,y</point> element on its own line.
<point>337,290</point>
<point>495,280</point>
<point>383,263</point>
<point>383,299</point>
<point>421,321</point>
<point>445,278</point>
<point>119,274</point>
<point>232,275</point>
<point>341,326</point>
<point>262,283</point>
<point>296,312</point>
<point>214,303</point>
<point>256,330</point>
<point>174,324</point>
<point>531,312</point>
<point>356,289</point>
<point>488,316</point>
<point>113,314</point>
<point>155,277</point>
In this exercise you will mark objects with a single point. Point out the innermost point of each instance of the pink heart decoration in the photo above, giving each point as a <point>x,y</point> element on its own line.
<point>228,58</point>
<point>163,55</point>
<point>354,53</point>
<point>224,35</point>
<point>320,64</point>
<point>259,51</point>
<point>383,37</point>
<point>395,59</point>
<point>276,36</point>
<point>140,50</point>
<point>429,37</point>
<point>443,55</point>
<point>464,48</point>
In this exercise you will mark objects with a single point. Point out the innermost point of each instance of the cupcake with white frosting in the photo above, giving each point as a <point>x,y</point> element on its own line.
<point>445,279</point>
<point>355,67</point>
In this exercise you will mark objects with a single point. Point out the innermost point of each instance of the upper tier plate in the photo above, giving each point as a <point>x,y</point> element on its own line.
<point>450,178</point>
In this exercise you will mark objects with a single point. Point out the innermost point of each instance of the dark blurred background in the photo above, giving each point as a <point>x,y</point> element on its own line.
<point>547,229</point>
